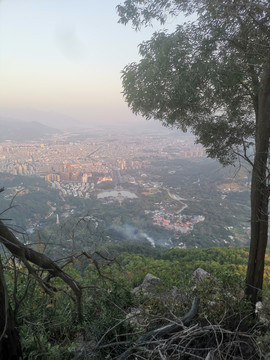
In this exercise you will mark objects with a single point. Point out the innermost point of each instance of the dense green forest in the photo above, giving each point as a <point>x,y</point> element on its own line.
<point>49,327</point>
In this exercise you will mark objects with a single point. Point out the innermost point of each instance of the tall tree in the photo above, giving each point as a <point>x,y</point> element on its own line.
<point>211,75</point>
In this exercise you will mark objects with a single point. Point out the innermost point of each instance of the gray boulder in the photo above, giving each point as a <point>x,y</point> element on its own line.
<point>199,275</point>
<point>149,283</point>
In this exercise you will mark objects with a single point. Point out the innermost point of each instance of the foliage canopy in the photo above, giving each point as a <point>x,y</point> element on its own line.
<point>206,74</point>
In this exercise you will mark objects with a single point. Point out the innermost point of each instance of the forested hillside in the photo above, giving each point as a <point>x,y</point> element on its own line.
<point>115,318</point>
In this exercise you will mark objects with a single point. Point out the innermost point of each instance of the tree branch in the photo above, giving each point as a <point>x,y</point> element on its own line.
<point>26,254</point>
<point>165,330</point>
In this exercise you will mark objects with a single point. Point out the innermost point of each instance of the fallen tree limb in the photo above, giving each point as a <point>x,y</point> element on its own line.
<point>163,331</point>
<point>26,255</point>
<point>196,342</point>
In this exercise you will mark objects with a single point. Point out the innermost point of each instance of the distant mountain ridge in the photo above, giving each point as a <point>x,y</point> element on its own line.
<point>16,130</point>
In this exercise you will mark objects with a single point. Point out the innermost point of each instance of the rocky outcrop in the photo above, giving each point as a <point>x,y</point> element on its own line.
<point>149,284</point>
<point>263,313</point>
<point>199,275</point>
<point>155,292</point>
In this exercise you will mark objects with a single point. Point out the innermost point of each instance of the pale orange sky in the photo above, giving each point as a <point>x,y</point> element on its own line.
<point>65,56</point>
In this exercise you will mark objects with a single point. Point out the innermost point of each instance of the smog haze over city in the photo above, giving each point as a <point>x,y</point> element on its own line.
<point>71,149</point>
<point>61,61</point>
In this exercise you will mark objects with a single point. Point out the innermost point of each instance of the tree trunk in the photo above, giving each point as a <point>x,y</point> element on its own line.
<point>10,347</point>
<point>259,192</point>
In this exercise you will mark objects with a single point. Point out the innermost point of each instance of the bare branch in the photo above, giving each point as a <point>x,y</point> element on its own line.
<point>26,254</point>
<point>165,330</point>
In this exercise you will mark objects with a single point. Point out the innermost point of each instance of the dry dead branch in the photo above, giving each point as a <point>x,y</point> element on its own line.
<point>188,340</point>
<point>28,255</point>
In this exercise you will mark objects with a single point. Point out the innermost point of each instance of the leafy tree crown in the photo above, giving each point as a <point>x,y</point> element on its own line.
<point>206,75</point>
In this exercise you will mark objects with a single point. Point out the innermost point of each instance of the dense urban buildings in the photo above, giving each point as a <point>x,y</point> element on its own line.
<point>64,161</point>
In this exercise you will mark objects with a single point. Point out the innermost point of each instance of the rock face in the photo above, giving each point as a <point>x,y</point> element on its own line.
<point>152,287</point>
<point>139,316</point>
<point>263,313</point>
<point>199,275</point>
<point>149,283</point>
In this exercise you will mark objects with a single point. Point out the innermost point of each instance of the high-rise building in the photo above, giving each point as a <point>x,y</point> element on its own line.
<point>86,176</point>
<point>20,169</point>
<point>68,167</point>
<point>123,165</point>
<point>75,176</point>
<point>52,177</point>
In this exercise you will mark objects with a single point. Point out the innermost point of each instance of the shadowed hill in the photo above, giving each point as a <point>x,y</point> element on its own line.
<point>24,131</point>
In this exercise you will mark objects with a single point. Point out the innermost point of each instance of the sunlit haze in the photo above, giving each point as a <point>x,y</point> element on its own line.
<point>63,60</point>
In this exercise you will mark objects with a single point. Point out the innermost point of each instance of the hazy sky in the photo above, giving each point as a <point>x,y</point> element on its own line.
<point>65,56</point>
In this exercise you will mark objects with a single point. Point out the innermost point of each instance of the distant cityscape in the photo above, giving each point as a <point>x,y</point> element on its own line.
<point>77,168</point>
<point>88,163</point>
<point>113,171</point>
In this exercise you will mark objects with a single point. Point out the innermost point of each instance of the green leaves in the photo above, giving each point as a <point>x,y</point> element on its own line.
<point>204,76</point>
<point>142,12</point>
